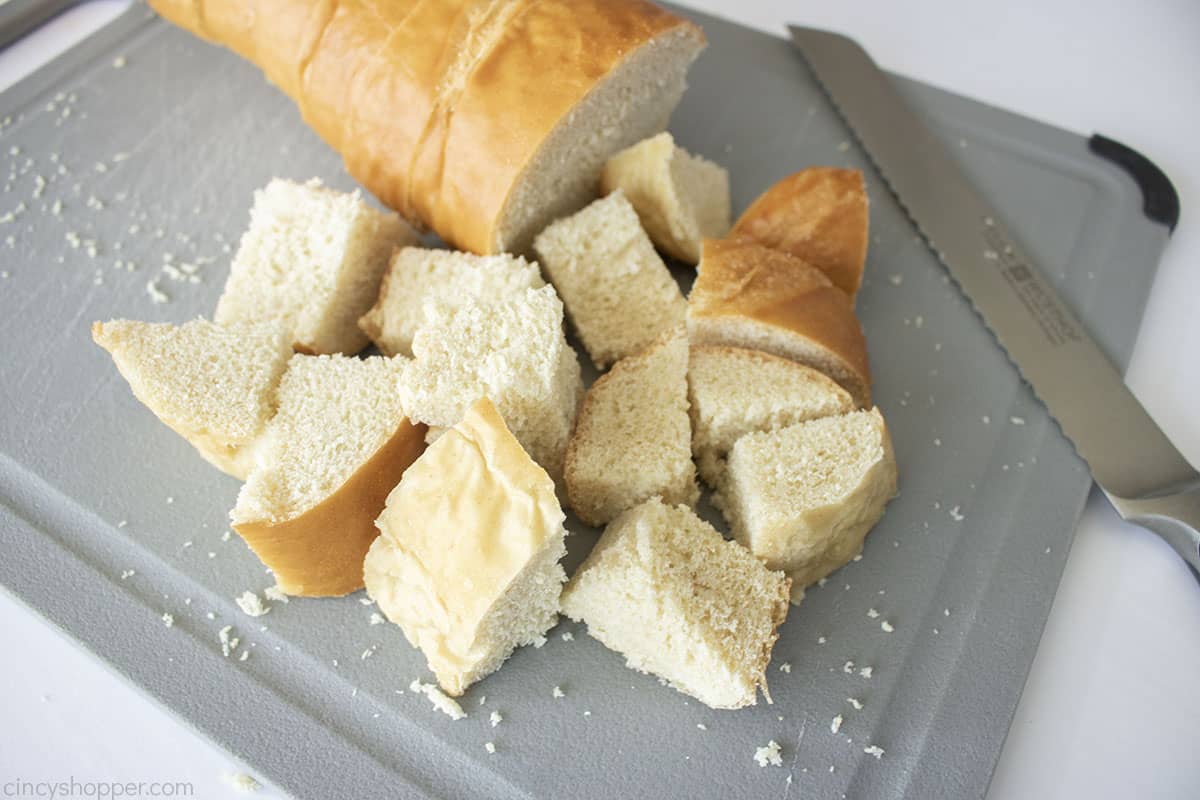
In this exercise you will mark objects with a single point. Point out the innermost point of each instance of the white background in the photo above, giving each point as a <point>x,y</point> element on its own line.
<point>1112,706</point>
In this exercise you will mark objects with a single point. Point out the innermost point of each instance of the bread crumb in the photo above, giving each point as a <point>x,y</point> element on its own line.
<point>539,642</point>
<point>874,750</point>
<point>490,747</point>
<point>872,613</point>
<point>228,643</point>
<point>168,620</point>
<point>245,654</point>
<point>588,714</point>
<point>1017,420</point>
<point>118,62</point>
<point>769,755</point>
<point>855,702</point>
<point>366,601</point>
<point>843,146</point>
<point>896,280</point>
<point>558,692</point>
<point>496,718</point>
<point>835,724</point>
<point>377,618</point>
<point>244,783</point>
<point>848,668</point>
<point>821,640</point>
<point>701,726</point>
<point>956,514</point>
<point>945,612</point>
<point>482,699</point>
<point>867,672</point>
<point>447,705</point>
<point>370,651</point>
<point>157,295</point>
<point>272,592</point>
<point>568,636</point>
<point>126,574</point>
<point>887,626</point>
<point>786,667</point>
<point>251,605</point>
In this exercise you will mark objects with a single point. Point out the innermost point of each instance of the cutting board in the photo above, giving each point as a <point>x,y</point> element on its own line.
<point>137,153</point>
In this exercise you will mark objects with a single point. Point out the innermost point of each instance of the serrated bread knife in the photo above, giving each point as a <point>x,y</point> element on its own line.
<point>1144,476</point>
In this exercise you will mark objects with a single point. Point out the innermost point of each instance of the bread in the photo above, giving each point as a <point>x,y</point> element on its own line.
<point>680,198</point>
<point>312,259</point>
<point>632,440</point>
<point>468,560</point>
<point>417,276</point>
<point>337,446</point>
<point>665,590</point>
<point>820,215</point>
<point>732,392</point>
<point>619,294</point>
<point>213,385</point>
<point>486,120</point>
<point>803,498</point>
<point>753,297</point>
<point>512,352</point>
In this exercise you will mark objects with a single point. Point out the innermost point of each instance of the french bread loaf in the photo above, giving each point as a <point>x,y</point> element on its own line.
<point>750,296</point>
<point>485,120</point>
<point>820,215</point>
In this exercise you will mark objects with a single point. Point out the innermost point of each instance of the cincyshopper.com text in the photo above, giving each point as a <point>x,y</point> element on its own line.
<point>74,788</point>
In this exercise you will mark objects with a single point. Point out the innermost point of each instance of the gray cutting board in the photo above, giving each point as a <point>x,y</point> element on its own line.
<point>161,155</point>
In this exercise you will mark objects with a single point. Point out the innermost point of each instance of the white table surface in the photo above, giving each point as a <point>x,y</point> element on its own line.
<point>1112,706</point>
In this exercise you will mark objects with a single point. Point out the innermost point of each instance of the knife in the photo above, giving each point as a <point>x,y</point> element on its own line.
<point>1144,476</point>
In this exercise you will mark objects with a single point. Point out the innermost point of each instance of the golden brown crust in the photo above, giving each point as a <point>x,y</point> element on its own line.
<point>428,101</point>
<point>320,553</point>
<point>746,281</point>
<point>818,214</point>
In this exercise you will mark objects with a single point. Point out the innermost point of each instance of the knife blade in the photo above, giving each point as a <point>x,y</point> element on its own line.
<point>1145,477</point>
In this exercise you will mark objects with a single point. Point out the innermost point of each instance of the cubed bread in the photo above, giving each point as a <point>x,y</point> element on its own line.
<point>665,590</point>
<point>732,392</point>
<point>803,498</point>
<point>337,446</point>
<point>514,353</point>
<point>211,384</point>
<point>468,561</point>
<point>680,198</point>
<point>632,440</point>
<point>753,297</point>
<point>311,259</point>
<point>619,294</point>
<point>417,276</point>
<point>820,215</point>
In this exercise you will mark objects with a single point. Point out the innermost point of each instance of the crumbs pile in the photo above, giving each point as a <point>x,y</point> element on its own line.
<point>358,468</point>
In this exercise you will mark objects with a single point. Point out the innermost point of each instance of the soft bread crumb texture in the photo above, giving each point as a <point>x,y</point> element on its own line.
<point>750,296</point>
<point>618,293</point>
<point>213,385</point>
<point>417,276</point>
<point>664,589</point>
<point>803,498</point>
<point>632,440</point>
<point>681,199</point>
<point>335,412</point>
<point>472,573</point>
<point>819,214</point>
<point>733,391</point>
<point>312,259</point>
<point>514,353</point>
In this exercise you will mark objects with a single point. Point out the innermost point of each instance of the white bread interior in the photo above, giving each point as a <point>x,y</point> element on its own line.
<point>680,198</point>
<point>514,353</point>
<point>632,440</point>
<point>213,385</point>
<point>338,444</point>
<point>417,276</point>
<point>803,498</point>
<point>618,293</point>
<point>472,573</point>
<point>312,259</point>
<point>732,392</point>
<point>664,589</point>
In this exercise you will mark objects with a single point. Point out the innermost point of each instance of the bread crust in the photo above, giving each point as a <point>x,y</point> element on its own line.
<point>428,101</point>
<point>320,552</point>
<point>749,284</point>
<point>819,214</point>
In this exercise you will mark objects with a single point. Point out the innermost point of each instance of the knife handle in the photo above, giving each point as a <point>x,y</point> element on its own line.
<point>1174,517</point>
